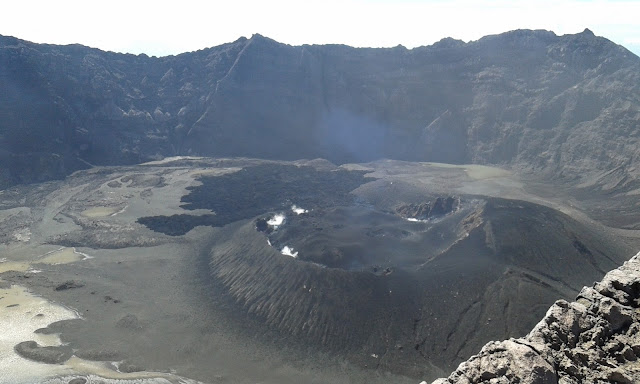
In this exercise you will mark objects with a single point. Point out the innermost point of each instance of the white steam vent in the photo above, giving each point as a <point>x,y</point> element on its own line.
<point>276,220</point>
<point>297,210</point>
<point>289,251</point>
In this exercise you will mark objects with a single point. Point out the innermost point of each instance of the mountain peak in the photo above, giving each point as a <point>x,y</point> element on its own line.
<point>588,32</point>
<point>259,37</point>
<point>448,42</point>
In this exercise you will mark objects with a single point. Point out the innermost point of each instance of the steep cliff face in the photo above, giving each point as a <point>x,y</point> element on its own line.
<point>595,339</point>
<point>564,106</point>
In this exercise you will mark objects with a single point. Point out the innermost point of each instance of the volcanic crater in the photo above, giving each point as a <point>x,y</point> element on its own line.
<point>309,253</point>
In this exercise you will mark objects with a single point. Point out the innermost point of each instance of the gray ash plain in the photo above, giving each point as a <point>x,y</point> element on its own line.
<point>186,275</point>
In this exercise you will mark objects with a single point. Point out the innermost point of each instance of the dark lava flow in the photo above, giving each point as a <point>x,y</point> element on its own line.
<point>255,190</point>
<point>409,297</point>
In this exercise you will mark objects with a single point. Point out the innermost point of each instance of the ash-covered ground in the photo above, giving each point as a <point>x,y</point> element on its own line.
<point>240,270</point>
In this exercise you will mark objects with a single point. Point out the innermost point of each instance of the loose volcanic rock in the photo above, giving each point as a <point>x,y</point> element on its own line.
<point>439,207</point>
<point>71,284</point>
<point>593,340</point>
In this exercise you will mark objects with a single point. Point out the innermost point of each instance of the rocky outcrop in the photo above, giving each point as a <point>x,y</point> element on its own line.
<point>595,339</point>
<point>423,211</point>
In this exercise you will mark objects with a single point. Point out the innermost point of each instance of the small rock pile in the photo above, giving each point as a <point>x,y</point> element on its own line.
<point>595,339</point>
<point>439,207</point>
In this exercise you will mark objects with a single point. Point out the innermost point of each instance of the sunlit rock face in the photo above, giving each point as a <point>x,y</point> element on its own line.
<point>593,339</point>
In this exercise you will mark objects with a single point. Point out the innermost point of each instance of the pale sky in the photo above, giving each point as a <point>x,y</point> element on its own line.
<point>163,27</point>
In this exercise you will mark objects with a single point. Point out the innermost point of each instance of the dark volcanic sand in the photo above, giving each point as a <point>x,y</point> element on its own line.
<point>371,297</point>
<point>368,283</point>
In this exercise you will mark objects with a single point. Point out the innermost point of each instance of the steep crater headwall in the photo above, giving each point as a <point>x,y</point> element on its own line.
<point>563,107</point>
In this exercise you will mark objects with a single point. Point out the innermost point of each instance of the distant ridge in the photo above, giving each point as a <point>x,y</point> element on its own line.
<point>565,107</point>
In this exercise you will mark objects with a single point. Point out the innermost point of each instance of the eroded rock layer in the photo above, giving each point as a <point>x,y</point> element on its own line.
<point>595,339</point>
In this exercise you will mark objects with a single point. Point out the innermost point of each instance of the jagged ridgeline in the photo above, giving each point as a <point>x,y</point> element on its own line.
<point>421,285</point>
<point>563,106</point>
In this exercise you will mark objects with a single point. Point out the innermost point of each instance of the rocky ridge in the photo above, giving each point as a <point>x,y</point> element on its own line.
<point>563,107</point>
<point>595,339</point>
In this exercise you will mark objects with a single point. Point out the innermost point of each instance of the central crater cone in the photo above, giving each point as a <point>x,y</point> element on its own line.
<point>325,259</point>
<point>372,283</point>
<point>362,239</point>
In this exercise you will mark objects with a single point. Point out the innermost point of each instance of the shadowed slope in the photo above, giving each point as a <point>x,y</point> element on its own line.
<point>509,262</point>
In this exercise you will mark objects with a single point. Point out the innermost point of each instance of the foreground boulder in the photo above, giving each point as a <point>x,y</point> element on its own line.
<point>595,339</point>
